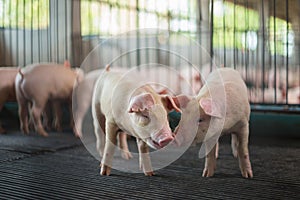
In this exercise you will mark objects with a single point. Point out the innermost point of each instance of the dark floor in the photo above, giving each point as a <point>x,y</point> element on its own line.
<point>59,167</point>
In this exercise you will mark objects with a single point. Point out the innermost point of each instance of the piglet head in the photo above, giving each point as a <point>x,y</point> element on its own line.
<point>195,118</point>
<point>149,120</point>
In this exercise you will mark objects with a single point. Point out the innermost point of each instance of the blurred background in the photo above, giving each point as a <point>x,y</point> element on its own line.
<point>261,39</point>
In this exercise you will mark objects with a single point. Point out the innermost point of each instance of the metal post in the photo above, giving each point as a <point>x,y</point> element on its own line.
<point>211,32</point>
<point>287,51</point>
<point>275,64</point>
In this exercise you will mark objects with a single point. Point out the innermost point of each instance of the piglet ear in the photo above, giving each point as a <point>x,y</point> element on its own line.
<point>210,107</point>
<point>182,100</point>
<point>141,102</point>
<point>170,103</point>
<point>67,64</point>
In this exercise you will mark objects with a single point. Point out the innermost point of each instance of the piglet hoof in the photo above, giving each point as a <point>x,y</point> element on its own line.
<point>247,173</point>
<point>235,153</point>
<point>25,130</point>
<point>149,173</point>
<point>208,172</point>
<point>58,129</point>
<point>77,134</point>
<point>245,166</point>
<point>105,170</point>
<point>126,155</point>
<point>43,133</point>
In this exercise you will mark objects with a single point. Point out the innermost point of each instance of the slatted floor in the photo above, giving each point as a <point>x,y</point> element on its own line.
<point>59,167</point>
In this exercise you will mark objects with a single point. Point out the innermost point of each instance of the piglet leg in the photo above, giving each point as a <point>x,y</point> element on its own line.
<point>145,162</point>
<point>234,145</point>
<point>99,128</point>
<point>57,115</point>
<point>23,113</point>
<point>125,153</point>
<point>36,114</point>
<point>243,152</point>
<point>210,162</point>
<point>109,149</point>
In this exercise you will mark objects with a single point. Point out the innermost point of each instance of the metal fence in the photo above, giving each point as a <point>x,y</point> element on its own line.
<point>261,39</point>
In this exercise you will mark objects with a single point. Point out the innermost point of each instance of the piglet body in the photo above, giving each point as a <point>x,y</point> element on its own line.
<point>39,83</point>
<point>221,107</point>
<point>136,109</point>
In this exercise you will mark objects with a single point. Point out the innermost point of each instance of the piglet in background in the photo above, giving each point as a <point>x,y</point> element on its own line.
<point>82,99</point>
<point>221,107</point>
<point>39,83</point>
<point>136,109</point>
<point>7,87</point>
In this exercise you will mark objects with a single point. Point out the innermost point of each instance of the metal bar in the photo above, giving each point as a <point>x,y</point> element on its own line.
<point>128,42</point>
<point>90,24</point>
<point>57,32</point>
<point>190,50</point>
<point>199,31</point>
<point>10,35</point>
<point>49,41</point>
<point>138,57</point>
<point>211,33</point>
<point>31,32</point>
<point>74,61</point>
<point>275,52</point>
<point>263,50</point>
<point>287,52</point>
<point>66,30</point>
<point>24,34</point>
<point>3,34</point>
<point>39,33</point>
<point>224,35</point>
<point>246,42</point>
<point>234,35</point>
<point>17,34</point>
<point>277,108</point>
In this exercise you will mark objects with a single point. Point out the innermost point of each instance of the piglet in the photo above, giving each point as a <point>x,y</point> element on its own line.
<point>221,107</point>
<point>134,108</point>
<point>36,84</point>
<point>82,99</point>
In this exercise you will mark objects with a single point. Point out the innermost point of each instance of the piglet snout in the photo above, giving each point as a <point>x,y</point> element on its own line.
<point>164,139</point>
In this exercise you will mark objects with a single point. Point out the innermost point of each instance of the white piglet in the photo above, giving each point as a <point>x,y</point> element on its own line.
<point>36,84</point>
<point>136,109</point>
<point>221,107</point>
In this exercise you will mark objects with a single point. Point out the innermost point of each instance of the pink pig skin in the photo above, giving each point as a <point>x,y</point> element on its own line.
<point>82,99</point>
<point>126,107</point>
<point>7,87</point>
<point>234,108</point>
<point>39,83</point>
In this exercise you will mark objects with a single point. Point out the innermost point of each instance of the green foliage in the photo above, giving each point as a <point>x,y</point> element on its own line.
<point>231,25</point>
<point>280,34</point>
<point>28,14</point>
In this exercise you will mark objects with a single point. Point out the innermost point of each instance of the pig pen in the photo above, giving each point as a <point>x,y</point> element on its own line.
<point>60,167</point>
<point>264,49</point>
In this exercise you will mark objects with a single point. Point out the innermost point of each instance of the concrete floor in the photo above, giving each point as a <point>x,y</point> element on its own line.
<point>59,167</point>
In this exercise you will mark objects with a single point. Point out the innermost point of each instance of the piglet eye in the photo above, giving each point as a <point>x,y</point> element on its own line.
<point>200,120</point>
<point>145,116</point>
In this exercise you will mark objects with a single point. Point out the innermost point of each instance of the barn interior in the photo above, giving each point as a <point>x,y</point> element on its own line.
<point>260,39</point>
